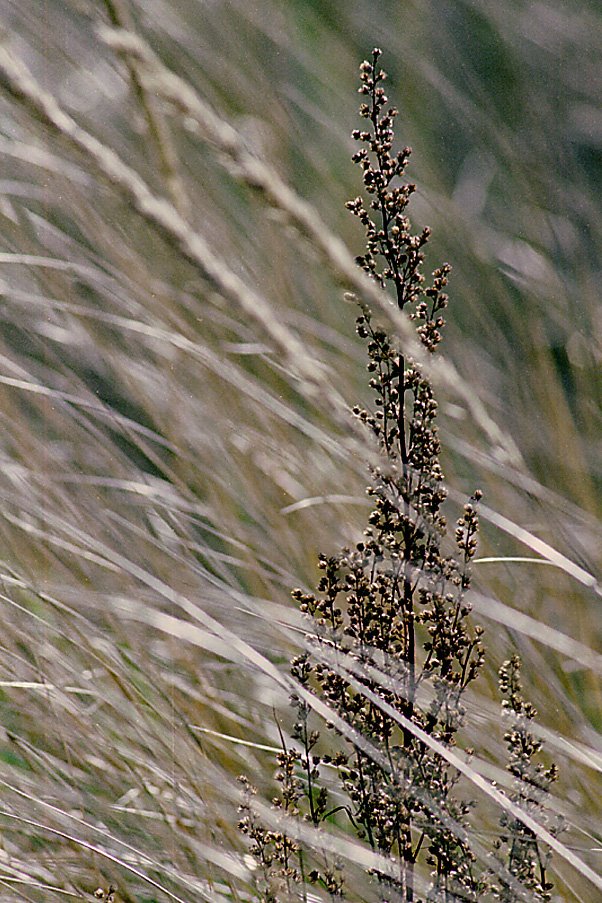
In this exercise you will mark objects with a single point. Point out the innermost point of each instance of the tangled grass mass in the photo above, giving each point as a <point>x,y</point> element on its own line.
<point>230,671</point>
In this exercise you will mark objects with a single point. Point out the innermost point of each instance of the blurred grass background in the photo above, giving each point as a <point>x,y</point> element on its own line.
<point>165,477</point>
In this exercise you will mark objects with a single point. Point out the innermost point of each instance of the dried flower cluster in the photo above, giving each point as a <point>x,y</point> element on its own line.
<point>518,847</point>
<point>388,628</point>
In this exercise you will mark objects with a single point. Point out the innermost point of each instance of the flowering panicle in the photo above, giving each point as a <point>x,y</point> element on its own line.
<point>518,847</point>
<point>389,627</point>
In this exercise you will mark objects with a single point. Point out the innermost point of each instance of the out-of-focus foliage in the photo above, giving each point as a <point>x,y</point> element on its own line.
<point>167,476</point>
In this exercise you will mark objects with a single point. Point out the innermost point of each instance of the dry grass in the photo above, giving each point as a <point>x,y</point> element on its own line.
<point>176,364</point>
